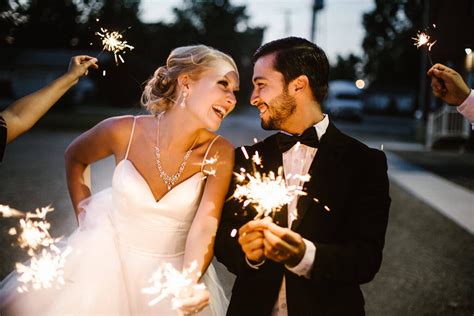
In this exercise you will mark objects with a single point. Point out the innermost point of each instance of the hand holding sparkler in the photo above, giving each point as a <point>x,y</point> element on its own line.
<point>453,90</point>
<point>251,239</point>
<point>283,245</point>
<point>186,295</point>
<point>195,303</point>
<point>79,66</point>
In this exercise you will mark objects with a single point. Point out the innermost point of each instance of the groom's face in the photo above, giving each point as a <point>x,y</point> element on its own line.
<point>270,94</point>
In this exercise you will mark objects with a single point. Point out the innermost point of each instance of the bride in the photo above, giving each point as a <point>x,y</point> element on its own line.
<point>164,204</point>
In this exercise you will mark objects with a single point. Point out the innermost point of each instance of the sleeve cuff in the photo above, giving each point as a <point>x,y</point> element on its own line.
<point>305,266</point>
<point>467,107</point>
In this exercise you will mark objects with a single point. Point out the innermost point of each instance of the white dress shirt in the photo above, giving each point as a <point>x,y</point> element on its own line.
<point>467,107</point>
<point>298,160</point>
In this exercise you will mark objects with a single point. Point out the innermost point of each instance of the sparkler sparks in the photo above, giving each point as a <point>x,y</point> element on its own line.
<point>45,267</point>
<point>43,271</point>
<point>423,39</point>
<point>268,193</point>
<point>7,211</point>
<point>112,42</point>
<point>167,281</point>
<point>210,162</point>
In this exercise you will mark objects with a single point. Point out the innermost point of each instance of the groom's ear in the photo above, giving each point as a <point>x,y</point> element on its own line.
<point>298,85</point>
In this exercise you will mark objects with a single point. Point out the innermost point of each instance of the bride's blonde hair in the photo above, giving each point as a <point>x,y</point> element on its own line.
<point>160,91</point>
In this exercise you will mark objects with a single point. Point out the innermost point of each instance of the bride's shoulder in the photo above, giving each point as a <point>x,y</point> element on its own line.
<point>116,126</point>
<point>218,144</point>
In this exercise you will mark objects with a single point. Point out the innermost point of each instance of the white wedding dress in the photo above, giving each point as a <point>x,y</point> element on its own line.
<point>122,239</point>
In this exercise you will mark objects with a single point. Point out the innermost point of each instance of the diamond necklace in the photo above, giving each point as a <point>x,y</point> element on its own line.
<point>169,180</point>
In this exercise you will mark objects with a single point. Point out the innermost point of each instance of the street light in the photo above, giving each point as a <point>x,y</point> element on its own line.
<point>469,65</point>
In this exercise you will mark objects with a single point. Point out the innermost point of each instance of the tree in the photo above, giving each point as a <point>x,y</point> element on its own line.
<point>346,68</point>
<point>216,23</point>
<point>391,57</point>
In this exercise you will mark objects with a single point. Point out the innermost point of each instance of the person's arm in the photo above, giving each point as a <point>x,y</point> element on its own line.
<point>25,112</point>
<point>201,236</point>
<point>104,139</point>
<point>228,249</point>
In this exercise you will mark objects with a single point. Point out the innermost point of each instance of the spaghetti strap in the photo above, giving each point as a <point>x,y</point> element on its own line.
<point>131,136</point>
<point>207,152</point>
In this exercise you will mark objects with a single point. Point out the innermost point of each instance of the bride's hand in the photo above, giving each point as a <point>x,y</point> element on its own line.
<point>193,304</point>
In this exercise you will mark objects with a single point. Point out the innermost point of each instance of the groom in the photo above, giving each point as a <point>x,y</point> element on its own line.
<point>327,242</point>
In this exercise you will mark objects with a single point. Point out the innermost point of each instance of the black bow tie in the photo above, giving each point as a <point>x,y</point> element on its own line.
<point>308,138</point>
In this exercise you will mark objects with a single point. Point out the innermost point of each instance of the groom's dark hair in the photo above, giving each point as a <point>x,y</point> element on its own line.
<point>296,56</point>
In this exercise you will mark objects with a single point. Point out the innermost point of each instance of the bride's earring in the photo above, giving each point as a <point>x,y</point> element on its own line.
<point>183,101</point>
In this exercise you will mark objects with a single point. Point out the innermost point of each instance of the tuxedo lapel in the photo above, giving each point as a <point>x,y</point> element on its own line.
<point>325,171</point>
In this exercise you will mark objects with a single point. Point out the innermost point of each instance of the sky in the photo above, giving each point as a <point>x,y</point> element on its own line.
<point>339,24</point>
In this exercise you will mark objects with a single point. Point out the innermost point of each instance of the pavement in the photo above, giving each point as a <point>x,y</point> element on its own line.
<point>427,267</point>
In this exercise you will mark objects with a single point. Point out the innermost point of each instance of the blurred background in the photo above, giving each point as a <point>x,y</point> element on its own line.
<point>379,94</point>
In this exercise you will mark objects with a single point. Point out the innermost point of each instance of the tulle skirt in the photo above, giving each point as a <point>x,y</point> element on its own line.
<point>102,277</point>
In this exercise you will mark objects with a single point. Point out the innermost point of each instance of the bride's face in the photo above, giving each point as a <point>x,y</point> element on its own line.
<point>211,98</point>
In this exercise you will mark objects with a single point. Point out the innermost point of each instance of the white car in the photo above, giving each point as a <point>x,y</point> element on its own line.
<point>344,100</point>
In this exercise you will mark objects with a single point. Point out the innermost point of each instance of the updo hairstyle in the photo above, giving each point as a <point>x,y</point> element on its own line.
<point>160,92</point>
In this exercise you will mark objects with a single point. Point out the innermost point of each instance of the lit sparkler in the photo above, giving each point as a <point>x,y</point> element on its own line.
<point>268,193</point>
<point>7,211</point>
<point>169,282</point>
<point>112,42</point>
<point>45,268</point>
<point>43,271</point>
<point>210,162</point>
<point>423,39</point>
<point>34,233</point>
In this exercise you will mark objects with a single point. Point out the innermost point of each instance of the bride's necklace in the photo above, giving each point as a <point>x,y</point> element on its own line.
<point>170,180</point>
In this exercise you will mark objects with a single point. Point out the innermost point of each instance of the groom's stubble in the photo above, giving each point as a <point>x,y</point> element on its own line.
<point>279,109</point>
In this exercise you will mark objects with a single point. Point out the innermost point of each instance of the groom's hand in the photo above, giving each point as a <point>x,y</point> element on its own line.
<point>251,239</point>
<point>283,245</point>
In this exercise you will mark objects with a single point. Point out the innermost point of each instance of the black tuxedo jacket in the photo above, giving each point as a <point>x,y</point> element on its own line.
<point>351,180</point>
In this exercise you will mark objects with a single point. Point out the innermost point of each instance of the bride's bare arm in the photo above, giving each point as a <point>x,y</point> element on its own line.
<point>103,140</point>
<point>200,240</point>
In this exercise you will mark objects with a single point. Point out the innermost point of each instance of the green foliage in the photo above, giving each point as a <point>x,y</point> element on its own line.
<point>71,24</point>
<point>391,57</point>
<point>216,23</point>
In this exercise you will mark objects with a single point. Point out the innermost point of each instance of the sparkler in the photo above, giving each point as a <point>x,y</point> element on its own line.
<point>169,282</point>
<point>7,211</point>
<point>423,39</point>
<point>268,193</point>
<point>112,42</point>
<point>210,162</point>
<point>45,267</point>
<point>43,271</point>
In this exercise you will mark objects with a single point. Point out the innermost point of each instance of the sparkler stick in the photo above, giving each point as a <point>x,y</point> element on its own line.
<point>169,282</point>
